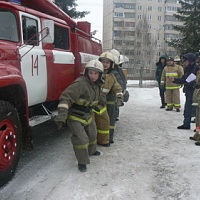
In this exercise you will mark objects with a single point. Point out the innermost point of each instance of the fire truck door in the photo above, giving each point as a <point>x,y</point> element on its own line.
<point>33,59</point>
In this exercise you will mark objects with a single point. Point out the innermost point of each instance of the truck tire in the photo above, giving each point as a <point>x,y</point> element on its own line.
<point>10,141</point>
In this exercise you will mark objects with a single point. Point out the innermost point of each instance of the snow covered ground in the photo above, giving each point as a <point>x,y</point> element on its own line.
<point>150,160</point>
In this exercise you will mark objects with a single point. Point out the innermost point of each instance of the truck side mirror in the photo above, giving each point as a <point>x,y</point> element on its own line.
<point>47,31</point>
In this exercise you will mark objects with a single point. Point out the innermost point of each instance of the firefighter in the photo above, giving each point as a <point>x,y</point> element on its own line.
<point>177,60</point>
<point>117,71</point>
<point>112,93</point>
<point>75,106</point>
<point>170,72</point>
<point>196,103</point>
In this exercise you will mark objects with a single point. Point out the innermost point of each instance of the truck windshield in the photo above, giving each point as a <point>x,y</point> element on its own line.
<point>8,26</point>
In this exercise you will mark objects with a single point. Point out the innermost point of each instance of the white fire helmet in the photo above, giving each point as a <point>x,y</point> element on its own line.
<point>94,65</point>
<point>121,59</point>
<point>177,59</point>
<point>116,55</point>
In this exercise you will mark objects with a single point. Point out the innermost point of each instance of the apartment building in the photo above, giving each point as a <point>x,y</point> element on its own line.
<point>140,30</point>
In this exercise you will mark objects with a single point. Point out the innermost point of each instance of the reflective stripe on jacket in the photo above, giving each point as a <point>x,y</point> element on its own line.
<point>80,97</point>
<point>175,71</point>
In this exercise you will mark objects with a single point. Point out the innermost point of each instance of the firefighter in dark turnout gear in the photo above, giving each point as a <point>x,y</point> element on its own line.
<point>190,71</point>
<point>75,106</point>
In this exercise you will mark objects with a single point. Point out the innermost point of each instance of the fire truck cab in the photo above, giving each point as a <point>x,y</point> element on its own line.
<point>42,50</point>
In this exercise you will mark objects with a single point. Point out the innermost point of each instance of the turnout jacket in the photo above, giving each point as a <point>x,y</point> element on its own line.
<point>79,98</point>
<point>175,71</point>
<point>196,95</point>
<point>111,90</point>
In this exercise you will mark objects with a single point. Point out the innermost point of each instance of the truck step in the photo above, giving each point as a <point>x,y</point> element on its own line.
<point>39,119</point>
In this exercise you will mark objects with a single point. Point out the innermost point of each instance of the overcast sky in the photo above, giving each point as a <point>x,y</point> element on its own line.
<point>96,14</point>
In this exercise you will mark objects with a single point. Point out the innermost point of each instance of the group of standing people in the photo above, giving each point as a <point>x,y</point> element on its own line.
<point>171,77</point>
<point>90,106</point>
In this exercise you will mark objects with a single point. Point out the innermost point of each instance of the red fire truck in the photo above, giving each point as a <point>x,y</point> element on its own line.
<point>42,50</point>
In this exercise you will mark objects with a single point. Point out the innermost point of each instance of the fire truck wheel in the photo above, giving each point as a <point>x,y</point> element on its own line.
<point>10,141</point>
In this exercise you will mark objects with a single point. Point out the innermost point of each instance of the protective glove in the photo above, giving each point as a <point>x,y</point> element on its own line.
<point>59,125</point>
<point>119,102</point>
<point>60,119</point>
<point>102,100</point>
<point>126,95</point>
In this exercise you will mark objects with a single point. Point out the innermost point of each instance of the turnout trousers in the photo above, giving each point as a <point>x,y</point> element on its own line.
<point>102,122</point>
<point>173,98</point>
<point>197,120</point>
<point>112,116</point>
<point>83,139</point>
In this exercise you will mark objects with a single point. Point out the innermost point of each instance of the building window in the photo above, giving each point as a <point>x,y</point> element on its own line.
<point>171,1</point>
<point>117,33</point>
<point>170,18</point>
<point>149,17</point>
<point>118,24</point>
<point>118,14</point>
<point>129,6</point>
<point>149,8</point>
<point>125,5</point>
<point>169,27</point>
<point>159,1</point>
<point>171,9</point>
<point>159,9</point>
<point>159,18</point>
<point>128,42</point>
<point>117,42</point>
<point>149,26</point>
<point>129,15</point>
<point>139,16</point>
<point>129,33</point>
<point>129,24</point>
<point>139,7</point>
<point>138,44</point>
<point>171,36</point>
<point>129,52</point>
<point>149,35</point>
<point>139,35</point>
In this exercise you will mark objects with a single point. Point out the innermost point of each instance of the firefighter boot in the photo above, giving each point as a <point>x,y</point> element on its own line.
<point>82,167</point>
<point>111,136</point>
<point>104,145</point>
<point>195,137</point>
<point>169,109</point>
<point>96,153</point>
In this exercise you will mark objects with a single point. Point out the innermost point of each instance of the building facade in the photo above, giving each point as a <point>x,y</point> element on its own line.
<point>140,29</point>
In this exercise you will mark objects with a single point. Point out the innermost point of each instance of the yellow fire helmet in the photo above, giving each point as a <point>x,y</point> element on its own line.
<point>107,56</point>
